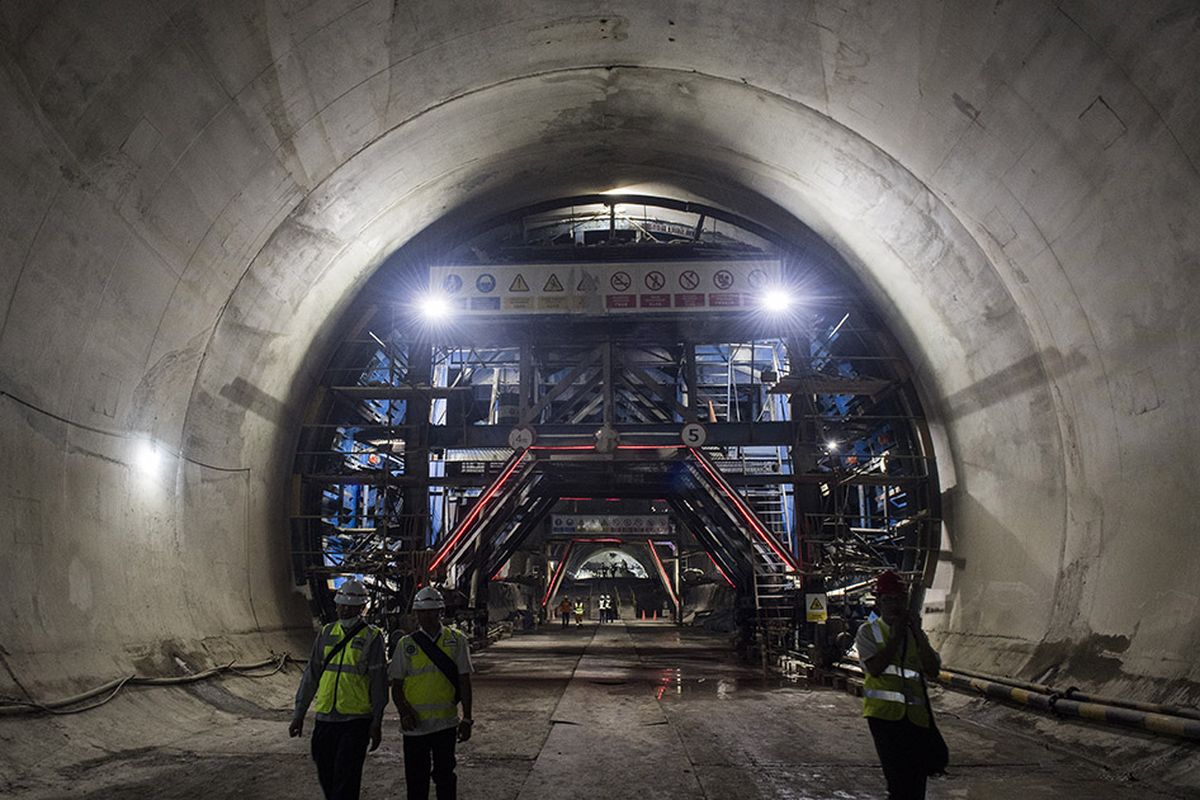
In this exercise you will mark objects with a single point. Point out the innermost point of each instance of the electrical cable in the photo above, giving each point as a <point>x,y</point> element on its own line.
<point>71,705</point>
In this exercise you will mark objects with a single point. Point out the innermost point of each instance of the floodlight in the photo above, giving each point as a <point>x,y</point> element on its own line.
<point>775,300</point>
<point>434,307</point>
<point>831,446</point>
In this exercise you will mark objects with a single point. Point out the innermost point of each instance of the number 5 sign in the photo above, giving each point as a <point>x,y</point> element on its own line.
<point>693,434</point>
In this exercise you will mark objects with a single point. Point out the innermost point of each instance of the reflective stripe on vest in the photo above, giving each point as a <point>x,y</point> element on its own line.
<point>426,689</point>
<point>897,692</point>
<point>345,685</point>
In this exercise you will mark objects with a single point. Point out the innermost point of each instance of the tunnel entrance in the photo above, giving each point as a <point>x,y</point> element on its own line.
<point>617,358</point>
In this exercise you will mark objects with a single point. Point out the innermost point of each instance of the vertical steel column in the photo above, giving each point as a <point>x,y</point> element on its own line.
<point>691,376</point>
<point>525,384</point>
<point>416,445</point>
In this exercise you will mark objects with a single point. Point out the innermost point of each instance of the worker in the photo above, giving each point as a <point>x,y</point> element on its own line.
<point>431,675</point>
<point>896,656</point>
<point>578,611</point>
<point>346,673</point>
<point>564,611</point>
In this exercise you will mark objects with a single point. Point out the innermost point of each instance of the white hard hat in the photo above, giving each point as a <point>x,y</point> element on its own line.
<point>428,599</point>
<point>351,593</point>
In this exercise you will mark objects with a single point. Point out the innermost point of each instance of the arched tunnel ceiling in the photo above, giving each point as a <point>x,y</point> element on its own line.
<point>195,193</point>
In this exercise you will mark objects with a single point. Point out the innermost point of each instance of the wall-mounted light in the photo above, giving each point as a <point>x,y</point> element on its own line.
<point>147,458</point>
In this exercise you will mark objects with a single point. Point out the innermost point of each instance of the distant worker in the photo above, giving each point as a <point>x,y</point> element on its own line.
<point>896,656</point>
<point>564,611</point>
<point>603,606</point>
<point>347,675</point>
<point>579,612</point>
<point>431,675</point>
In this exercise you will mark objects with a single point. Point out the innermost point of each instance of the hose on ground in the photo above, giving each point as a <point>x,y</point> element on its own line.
<point>78,703</point>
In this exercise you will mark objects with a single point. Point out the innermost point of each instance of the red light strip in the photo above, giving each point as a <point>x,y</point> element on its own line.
<point>558,572</point>
<point>662,573</point>
<point>745,511</point>
<point>718,566</point>
<point>471,517</point>
<point>669,446</point>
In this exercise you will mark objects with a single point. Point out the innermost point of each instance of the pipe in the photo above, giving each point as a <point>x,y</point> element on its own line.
<point>1055,703</point>
<point>1072,693</point>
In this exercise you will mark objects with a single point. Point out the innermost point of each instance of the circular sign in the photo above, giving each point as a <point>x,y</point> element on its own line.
<point>723,279</point>
<point>521,438</point>
<point>689,279</point>
<point>694,434</point>
<point>757,279</point>
<point>655,280</point>
<point>485,282</point>
<point>620,281</point>
<point>452,283</point>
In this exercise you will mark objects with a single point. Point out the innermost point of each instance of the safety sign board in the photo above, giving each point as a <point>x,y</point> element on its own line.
<point>603,288</point>
<point>625,524</point>
<point>816,607</point>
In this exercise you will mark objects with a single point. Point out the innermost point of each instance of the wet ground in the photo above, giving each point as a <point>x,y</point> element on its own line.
<point>630,710</point>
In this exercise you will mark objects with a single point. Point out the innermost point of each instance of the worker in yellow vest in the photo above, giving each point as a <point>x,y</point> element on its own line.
<point>431,674</point>
<point>346,675</point>
<point>895,654</point>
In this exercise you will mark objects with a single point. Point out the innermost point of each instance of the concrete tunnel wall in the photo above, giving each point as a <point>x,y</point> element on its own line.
<point>194,192</point>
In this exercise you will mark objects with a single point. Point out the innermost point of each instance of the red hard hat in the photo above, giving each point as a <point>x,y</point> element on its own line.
<point>888,582</point>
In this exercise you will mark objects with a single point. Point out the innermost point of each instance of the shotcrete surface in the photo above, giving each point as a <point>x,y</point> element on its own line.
<point>635,710</point>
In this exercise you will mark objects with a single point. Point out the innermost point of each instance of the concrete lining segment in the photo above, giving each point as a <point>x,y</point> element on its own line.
<point>193,199</point>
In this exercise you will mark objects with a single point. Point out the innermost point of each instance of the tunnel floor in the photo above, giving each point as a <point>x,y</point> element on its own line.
<point>634,710</point>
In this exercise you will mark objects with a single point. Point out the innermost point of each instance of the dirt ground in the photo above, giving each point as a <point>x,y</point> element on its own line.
<point>632,710</point>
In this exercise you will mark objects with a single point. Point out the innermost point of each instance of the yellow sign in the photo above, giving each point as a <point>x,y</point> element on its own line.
<point>816,608</point>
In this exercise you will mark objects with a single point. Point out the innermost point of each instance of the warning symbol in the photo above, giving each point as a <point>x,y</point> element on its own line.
<point>587,283</point>
<point>757,278</point>
<point>553,284</point>
<point>655,280</point>
<point>816,607</point>
<point>519,284</point>
<point>485,282</point>
<point>452,283</point>
<point>621,281</point>
<point>689,279</point>
<point>723,279</point>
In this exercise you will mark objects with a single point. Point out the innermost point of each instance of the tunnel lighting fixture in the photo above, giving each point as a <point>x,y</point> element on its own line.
<point>775,300</point>
<point>147,458</point>
<point>434,307</point>
<point>831,446</point>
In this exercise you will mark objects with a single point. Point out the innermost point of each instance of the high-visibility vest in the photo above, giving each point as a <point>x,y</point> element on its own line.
<point>345,684</point>
<point>898,691</point>
<point>426,689</point>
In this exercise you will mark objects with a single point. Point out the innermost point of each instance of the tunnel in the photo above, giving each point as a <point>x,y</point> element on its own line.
<point>220,224</point>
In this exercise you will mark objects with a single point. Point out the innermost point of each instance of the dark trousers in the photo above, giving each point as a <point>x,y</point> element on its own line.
<point>901,746</point>
<point>566,618</point>
<point>339,748</point>
<point>431,754</point>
